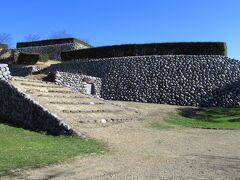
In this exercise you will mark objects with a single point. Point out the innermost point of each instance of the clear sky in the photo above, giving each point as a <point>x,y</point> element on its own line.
<point>107,22</point>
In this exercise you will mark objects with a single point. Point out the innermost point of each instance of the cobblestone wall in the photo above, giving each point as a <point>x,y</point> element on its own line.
<point>176,80</point>
<point>53,51</point>
<point>4,72</point>
<point>79,82</point>
<point>18,108</point>
<point>20,70</point>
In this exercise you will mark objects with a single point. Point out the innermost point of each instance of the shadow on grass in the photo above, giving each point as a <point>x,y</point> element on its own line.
<point>8,122</point>
<point>234,120</point>
<point>16,124</point>
<point>212,115</point>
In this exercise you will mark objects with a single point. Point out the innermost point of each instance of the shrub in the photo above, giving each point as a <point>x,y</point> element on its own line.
<point>185,48</point>
<point>44,57</point>
<point>3,46</point>
<point>51,42</point>
<point>27,58</point>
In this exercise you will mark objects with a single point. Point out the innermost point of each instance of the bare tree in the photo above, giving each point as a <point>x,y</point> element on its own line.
<point>5,38</point>
<point>32,37</point>
<point>60,34</point>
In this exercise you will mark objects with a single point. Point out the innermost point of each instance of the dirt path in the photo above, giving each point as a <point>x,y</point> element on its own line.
<point>139,152</point>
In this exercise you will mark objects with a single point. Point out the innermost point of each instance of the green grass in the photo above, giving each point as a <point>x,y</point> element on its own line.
<point>219,118</point>
<point>44,58</point>
<point>22,149</point>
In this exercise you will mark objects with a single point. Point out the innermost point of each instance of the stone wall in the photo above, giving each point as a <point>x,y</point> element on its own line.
<point>20,70</point>
<point>18,108</point>
<point>177,80</point>
<point>79,82</point>
<point>53,51</point>
<point>4,72</point>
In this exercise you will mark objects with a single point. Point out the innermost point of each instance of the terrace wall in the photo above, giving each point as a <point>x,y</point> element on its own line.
<point>53,51</point>
<point>178,80</point>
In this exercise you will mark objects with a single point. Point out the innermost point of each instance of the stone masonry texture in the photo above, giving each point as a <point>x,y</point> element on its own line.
<point>172,79</point>
<point>77,82</point>
<point>4,72</point>
<point>18,108</point>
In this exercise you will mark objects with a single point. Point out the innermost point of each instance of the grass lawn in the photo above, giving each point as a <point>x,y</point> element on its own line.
<point>21,148</point>
<point>219,118</point>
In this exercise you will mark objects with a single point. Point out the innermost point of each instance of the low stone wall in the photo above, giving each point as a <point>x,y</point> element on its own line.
<point>53,51</point>
<point>4,72</point>
<point>20,70</point>
<point>177,80</point>
<point>18,108</point>
<point>79,82</point>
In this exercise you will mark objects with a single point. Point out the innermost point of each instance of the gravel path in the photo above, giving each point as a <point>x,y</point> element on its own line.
<point>139,152</point>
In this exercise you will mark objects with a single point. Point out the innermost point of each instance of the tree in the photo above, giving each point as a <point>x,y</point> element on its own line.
<point>32,37</point>
<point>5,38</point>
<point>60,34</point>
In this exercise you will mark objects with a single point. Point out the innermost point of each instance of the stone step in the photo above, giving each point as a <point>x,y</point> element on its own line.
<point>61,91</point>
<point>64,96</point>
<point>26,80</point>
<point>87,108</point>
<point>75,103</point>
<point>46,90</point>
<point>104,121</point>
<point>41,85</point>
<point>90,111</point>
<point>77,109</point>
<point>99,115</point>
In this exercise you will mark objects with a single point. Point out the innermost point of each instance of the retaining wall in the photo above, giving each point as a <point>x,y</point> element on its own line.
<point>20,70</point>
<point>177,80</point>
<point>82,83</point>
<point>53,51</point>
<point>18,108</point>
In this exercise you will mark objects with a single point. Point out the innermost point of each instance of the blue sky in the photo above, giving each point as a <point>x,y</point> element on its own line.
<point>107,22</point>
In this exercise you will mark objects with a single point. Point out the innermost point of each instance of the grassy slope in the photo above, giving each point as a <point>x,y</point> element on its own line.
<point>21,148</point>
<point>221,118</point>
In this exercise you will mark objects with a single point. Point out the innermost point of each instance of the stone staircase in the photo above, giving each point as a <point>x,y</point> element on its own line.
<point>78,110</point>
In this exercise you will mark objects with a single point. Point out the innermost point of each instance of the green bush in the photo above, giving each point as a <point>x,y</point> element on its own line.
<point>3,46</point>
<point>44,57</point>
<point>184,48</point>
<point>27,58</point>
<point>51,42</point>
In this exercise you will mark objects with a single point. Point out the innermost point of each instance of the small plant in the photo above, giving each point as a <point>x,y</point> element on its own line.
<point>3,46</point>
<point>44,58</point>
